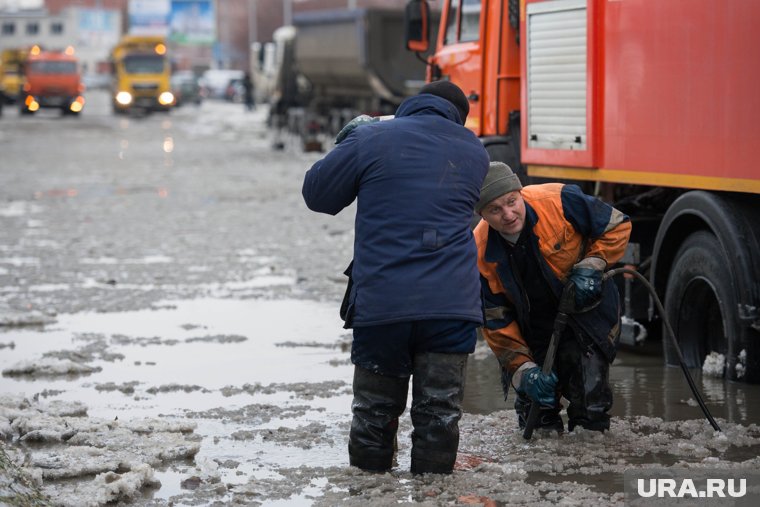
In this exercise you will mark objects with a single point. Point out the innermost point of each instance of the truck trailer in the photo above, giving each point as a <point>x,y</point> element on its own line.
<point>650,105</point>
<point>334,65</point>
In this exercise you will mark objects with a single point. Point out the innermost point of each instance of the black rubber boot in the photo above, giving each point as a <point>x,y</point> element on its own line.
<point>584,381</point>
<point>548,417</point>
<point>378,402</point>
<point>437,388</point>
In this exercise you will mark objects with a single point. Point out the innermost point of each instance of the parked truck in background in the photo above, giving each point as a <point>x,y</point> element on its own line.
<point>334,65</point>
<point>141,74</point>
<point>52,80</point>
<point>653,107</point>
<point>12,73</point>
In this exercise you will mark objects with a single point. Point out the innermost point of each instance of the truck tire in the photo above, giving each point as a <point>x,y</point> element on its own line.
<point>701,305</point>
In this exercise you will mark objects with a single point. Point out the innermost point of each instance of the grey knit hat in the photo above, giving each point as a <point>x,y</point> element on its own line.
<point>500,180</point>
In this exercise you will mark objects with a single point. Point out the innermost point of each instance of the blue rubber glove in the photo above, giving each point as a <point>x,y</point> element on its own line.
<point>539,387</point>
<point>362,119</point>
<point>588,286</point>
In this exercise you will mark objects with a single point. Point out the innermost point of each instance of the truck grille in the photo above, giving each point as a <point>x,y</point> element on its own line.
<point>145,87</point>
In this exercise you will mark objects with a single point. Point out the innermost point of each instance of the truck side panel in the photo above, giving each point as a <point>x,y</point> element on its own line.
<point>654,65</point>
<point>659,67</point>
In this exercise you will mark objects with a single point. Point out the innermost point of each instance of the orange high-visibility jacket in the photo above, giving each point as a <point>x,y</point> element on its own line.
<point>567,226</point>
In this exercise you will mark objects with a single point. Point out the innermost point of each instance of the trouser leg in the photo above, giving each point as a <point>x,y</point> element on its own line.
<point>438,388</point>
<point>378,402</point>
<point>584,381</point>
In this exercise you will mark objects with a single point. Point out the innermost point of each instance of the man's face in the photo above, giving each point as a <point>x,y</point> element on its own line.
<point>506,214</point>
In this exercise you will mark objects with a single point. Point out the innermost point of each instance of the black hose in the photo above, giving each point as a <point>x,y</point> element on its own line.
<point>671,335</point>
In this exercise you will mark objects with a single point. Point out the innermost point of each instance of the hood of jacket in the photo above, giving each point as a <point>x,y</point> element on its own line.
<point>429,104</point>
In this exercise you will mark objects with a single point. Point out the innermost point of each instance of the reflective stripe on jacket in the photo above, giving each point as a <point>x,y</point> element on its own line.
<point>566,226</point>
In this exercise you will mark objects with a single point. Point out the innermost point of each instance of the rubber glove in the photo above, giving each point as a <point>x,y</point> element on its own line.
<point>362,119</point>
<point>539,387</point>
<point>586,276</point>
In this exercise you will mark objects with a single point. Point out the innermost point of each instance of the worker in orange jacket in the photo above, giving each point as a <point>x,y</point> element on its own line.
<point>531,242</point>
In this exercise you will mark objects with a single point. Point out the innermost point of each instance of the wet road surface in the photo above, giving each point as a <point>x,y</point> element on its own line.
<point>164,270</point>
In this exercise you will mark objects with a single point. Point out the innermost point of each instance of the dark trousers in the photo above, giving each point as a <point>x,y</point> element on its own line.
<point>583,374</point>
<point>379,400</point>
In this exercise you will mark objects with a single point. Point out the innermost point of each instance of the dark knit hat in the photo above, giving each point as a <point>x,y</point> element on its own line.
<point>451,92</point>
<point>499,180</point>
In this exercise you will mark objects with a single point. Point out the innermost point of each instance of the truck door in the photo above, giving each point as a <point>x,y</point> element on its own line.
<point>460,56</point>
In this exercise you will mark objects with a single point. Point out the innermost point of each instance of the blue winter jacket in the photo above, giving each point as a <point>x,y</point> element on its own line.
<point>416,179</point>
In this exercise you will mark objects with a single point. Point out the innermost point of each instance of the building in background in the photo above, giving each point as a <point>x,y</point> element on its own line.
<point>92,32</point>
<point>202,34</point>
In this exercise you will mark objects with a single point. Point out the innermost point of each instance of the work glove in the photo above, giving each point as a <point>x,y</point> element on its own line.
<point>539,387</point>
<point>586,278</point>
<point>362,119</point>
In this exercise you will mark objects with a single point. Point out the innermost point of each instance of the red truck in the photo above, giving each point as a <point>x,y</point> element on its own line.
<point>651,105</point>
<point>52,80</point>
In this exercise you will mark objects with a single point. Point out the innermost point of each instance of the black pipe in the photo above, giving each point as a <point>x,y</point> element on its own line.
<point>559,326</point>
<point>671,335</point>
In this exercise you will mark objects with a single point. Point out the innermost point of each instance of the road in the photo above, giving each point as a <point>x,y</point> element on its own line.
<point>169,333</point>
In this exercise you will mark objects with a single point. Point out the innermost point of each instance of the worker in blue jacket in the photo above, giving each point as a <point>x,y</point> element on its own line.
<point>414,301</point>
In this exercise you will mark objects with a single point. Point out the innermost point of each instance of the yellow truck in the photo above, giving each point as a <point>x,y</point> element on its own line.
<point>12,73</point>
<point>141,74</point>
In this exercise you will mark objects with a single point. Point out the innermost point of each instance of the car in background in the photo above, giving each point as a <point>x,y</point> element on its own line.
<point>235,91</point>
<point>214,82</point>
<point>186,88</point>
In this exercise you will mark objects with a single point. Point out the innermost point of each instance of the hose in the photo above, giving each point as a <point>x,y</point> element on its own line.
<point>671,335</point>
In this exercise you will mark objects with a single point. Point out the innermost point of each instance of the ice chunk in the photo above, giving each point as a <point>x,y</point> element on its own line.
<point>714,365</point>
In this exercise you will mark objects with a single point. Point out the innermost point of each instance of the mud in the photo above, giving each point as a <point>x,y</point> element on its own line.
<point>169,336</point>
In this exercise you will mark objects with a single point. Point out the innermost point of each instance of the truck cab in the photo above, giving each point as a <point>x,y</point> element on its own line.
<point>637,104</point>
<point>141,75</point>
<point>12,73</point>
<point>52,80</point>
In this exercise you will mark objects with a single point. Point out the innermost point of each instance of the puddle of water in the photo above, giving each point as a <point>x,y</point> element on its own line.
<point>642,386</point>
<point>184,344</point>
<point>176,361</point>
<point>268,385</point>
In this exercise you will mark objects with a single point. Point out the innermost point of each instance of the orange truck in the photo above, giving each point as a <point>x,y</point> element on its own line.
<point>52,80</point>
<point>651,105</point>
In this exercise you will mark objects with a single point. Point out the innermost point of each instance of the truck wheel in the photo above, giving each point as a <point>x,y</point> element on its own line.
<point>700,304</point>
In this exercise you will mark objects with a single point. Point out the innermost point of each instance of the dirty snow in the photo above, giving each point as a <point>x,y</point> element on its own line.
<point>169,336</point>
<point>714,365</point>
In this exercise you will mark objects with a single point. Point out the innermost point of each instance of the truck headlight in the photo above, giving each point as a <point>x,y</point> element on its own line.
<point>124,98</point>
<point>77,105</point>
<point>166,98</point>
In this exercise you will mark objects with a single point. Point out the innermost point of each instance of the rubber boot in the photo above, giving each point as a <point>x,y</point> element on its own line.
<point>378,402</point>
<point>548,417</point>
<point>437,388</point>
<point>584,375</point>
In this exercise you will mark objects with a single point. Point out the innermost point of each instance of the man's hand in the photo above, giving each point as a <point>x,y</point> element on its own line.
<point>586,277</point>
<point>362,119</point>
<point>539,387</point>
